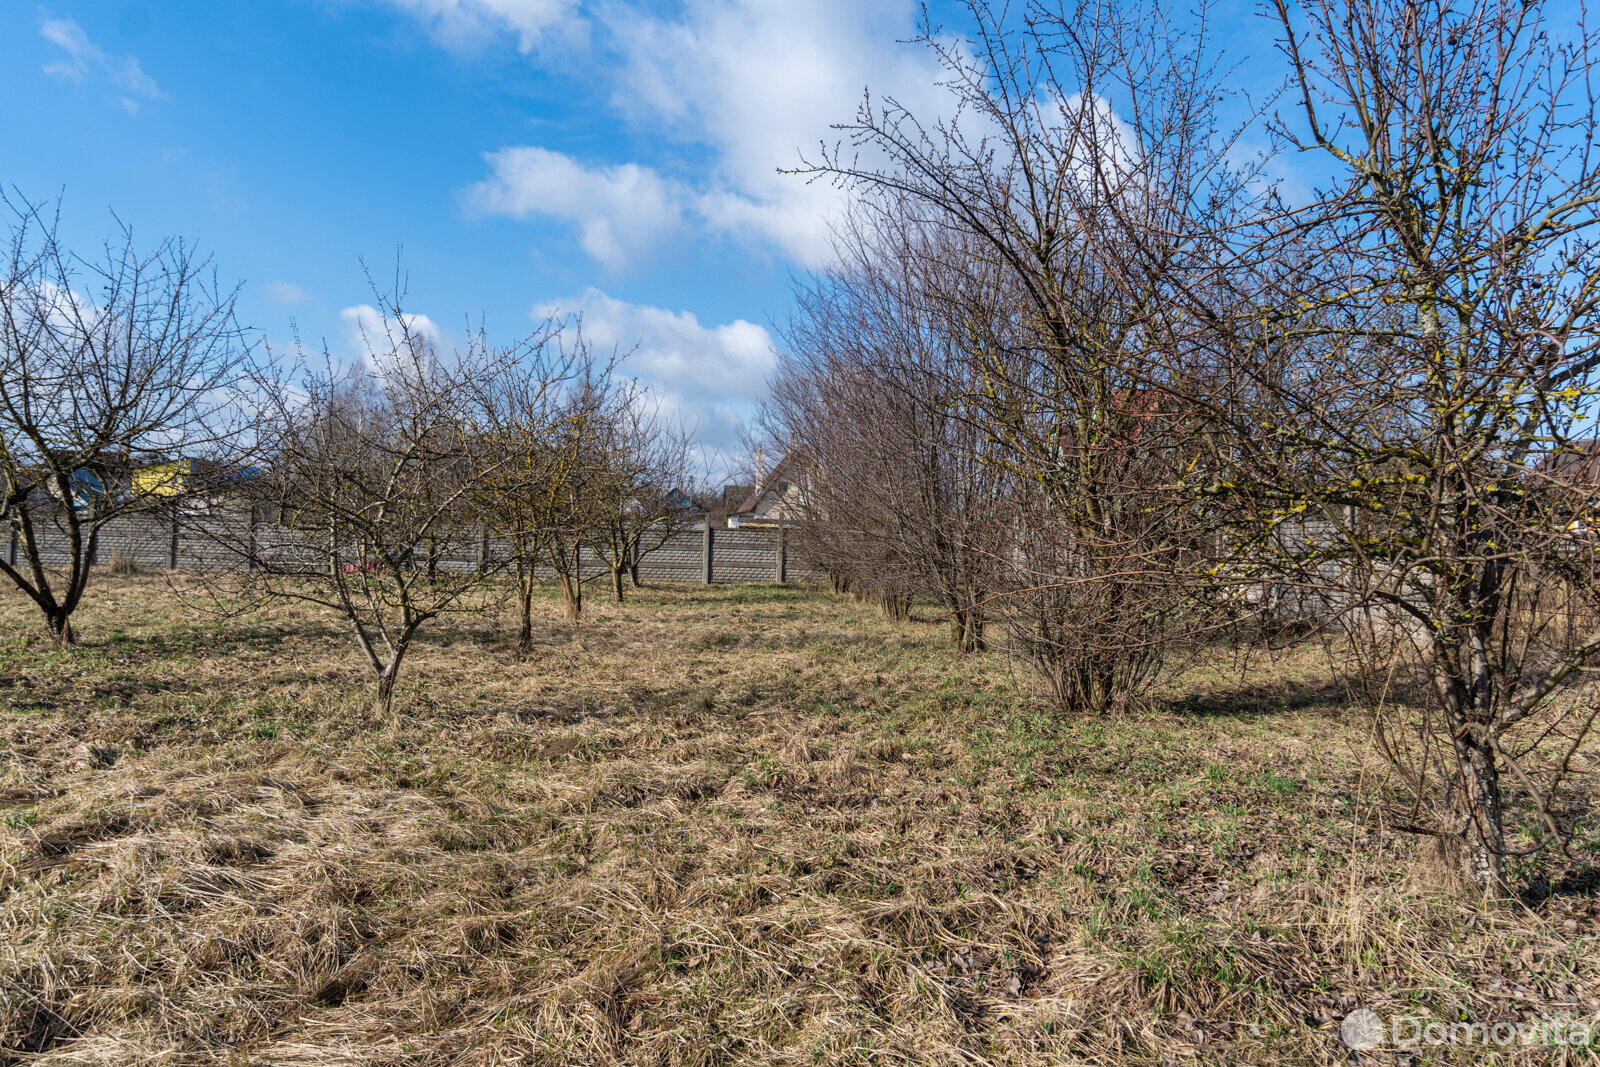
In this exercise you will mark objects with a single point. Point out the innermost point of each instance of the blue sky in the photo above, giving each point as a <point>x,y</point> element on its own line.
<point>614,158</point>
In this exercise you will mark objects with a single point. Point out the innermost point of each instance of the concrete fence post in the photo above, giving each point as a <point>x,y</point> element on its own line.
<point>172,541</point>
<point>483,549</point>
<point>250,555</point>
<point>13,549</point>
<point>783,555</point>
<point>705,570</point>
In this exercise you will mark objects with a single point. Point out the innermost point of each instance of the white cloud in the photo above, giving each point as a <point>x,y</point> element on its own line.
<point>708,375</point>
<point>744,87</point>
<point>375,340</point>
<point>71,38</point>
<point>458,23</point>
<point>285,292</point>
<point>620,212</point>
<point>84,58</point>
<point>759,83</point>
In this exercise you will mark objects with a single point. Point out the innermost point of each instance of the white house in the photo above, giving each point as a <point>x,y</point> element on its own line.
<point>779,501</point>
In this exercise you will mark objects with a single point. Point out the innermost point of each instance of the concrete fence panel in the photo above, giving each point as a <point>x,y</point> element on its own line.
<point>162,540</point>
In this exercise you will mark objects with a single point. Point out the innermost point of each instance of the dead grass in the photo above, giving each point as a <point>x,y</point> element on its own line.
<point>714,825</point>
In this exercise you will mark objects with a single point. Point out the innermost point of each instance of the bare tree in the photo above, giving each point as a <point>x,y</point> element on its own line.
<point>1051,191</point>
<point>371,484</point>
<point>1397,368</point>
<point>642,468</point>
<point>538,431</point>
<point>571,503</point>
<point>903,491</point>
<point>107,364</point>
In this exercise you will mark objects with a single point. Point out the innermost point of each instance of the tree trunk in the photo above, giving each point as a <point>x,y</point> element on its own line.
<point>633,574</point>
<point>616,582</point>
<point>525,587</point>
<point>966,630</point>
<point>525,622</point>
<point>59,623</point>
<point>1481,851</point>
<point>386,680</point>
<point>1100,689</point>
<point>572,595</point>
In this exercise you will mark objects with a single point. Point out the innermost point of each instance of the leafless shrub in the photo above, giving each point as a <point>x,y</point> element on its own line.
<point>1040,192</point>
<point>901,490</point>
<point>122,564</point>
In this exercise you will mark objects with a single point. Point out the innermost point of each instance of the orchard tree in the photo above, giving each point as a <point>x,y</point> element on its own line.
<point>1398,370</point>
<point>108,363</point>
<point>370,487</point>
<point>642,464</point>
<point>538,430</point>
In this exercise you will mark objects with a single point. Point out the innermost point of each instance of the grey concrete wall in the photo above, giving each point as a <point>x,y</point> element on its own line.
<point>201,541</point>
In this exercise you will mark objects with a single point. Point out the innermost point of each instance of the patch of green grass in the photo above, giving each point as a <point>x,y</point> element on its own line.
<point>1276,783</point>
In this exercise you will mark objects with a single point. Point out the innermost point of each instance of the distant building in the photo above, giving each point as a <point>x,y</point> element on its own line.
<point>164,479</point>
<point>674,506</point>
<point>682,505</point>
<point>733,496</point>
<point>778,501</point>
<point>1577,468</point>
<point>87,489</point>
<point>199,483</point>
<point>93,481</point>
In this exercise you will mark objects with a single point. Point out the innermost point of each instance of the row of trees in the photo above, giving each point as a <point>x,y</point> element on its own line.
<point>1083,366</point>
<point>366,477</point>
<point>380,474</point>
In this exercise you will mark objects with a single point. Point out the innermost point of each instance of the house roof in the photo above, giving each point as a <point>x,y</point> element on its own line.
<point>1578,465</point>
<point>773,476</point>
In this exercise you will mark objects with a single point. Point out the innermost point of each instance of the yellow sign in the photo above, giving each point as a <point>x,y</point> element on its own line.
<point>161,479</point>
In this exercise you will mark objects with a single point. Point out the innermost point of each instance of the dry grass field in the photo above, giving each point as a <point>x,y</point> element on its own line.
<point>726,825</point>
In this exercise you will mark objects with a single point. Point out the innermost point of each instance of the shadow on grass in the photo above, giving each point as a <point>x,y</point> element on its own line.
<point>556,714</point>
<point>208,643</point>
<point>1256,701</point>
<point>742,592</point>
<point>1581,881</point>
